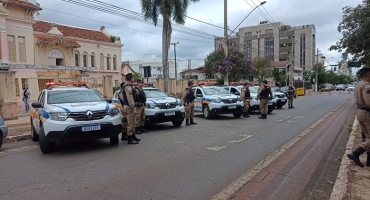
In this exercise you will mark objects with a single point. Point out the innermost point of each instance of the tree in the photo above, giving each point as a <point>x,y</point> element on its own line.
<point>355,29</point>
<point>307,75</point>
<point>169,9</point>
<point>236,64</point>
<point>261,67</point>
<point>137,75</point>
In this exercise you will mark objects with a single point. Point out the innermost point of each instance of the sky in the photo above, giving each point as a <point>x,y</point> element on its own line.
<point>140,38</point>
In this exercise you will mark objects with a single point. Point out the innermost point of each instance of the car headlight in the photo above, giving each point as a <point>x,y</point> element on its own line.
<point>216,100</point>
<point>179,103</point>
<point>150,105</point>
<point>58,116</point>
<point>240,99</point>
<point>113,112</point>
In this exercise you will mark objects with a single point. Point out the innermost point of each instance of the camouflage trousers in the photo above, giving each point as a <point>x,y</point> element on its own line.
<point>128,120</point>
<point>264,106</point>
<point>363,118</point>
<point>246,106</point>
<point>140,116</point>
<point>189,110</point>
<point>290,98</point>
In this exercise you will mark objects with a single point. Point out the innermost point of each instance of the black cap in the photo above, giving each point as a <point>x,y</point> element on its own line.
<point>265,81</point>
<point>363,71</point>
<point>246,83</point>
<point>190,83</point>
<point>140,81</point>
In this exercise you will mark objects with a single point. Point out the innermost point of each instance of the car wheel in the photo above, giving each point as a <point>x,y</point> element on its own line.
<point>34,135</point>
<point>1,139</point>
<point>270,111</point>
<point>45,146</point>
<point>177,123</point>
<point>237,115</point>
<point>279,106</point>
<point>114,140</point>
<point>206,112</point>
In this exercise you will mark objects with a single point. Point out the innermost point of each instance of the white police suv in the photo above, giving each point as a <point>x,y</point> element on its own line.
<point>69,114</point>
<point>159,106</point>
<point>214,100</point>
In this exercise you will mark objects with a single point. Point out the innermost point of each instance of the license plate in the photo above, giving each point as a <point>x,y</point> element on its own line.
<point>91,128</point>
<point>283,100</point>
<point>169,113</point>
<point>232,107</point>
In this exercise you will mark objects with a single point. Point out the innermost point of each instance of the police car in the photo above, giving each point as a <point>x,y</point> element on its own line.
<point>214,100</point>
<point>159,106</point>
<point>64,114</point>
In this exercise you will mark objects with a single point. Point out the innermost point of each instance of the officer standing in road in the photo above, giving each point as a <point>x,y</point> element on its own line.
<point>291,94</point>
<point>265,95</point>
<point>246,97</point>
<point>124,118</point>
<point>140,108</point>
<point>188,100</point>
<point>362,100</point>
<point>128,94</point>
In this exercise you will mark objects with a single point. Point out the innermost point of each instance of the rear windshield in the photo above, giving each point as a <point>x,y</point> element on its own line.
<point>73,96</point>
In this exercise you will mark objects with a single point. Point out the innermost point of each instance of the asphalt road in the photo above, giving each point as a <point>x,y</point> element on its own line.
<point>195,162</point>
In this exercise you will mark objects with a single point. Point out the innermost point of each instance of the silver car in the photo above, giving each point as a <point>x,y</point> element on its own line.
<point>3,130</point>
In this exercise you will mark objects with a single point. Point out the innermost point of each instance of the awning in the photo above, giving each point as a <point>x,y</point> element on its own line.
<point>48,39</point>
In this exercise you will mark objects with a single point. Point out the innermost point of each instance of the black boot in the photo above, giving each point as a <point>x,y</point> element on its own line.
<point>143,130</point>
<point>355,156</point>
<point>363,137</point>
<point>291,105</point>
<point>245,115</point>
<point>265,116</point>
<point>137,130</point>
<point>131,140</point>
<point>124,136</point>
<point>192,121</point>
<point>135,138</point>
<point>187,122</point>
<point>262,116</point>
<point>368,159</point>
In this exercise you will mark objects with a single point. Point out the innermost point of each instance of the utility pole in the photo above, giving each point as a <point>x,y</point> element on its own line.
<point>316,68</point>
<point>226,79</point>
<point>174,48</point>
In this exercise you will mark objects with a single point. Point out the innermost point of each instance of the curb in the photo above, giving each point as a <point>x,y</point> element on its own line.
<point>17,138</point>
<point>340,186</point>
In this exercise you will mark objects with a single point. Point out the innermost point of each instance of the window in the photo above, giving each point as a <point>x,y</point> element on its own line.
<point>108,62</point>
<point>114,62</point>
<point>269,49</point>
<point>284,52</point>
<point>84,59</point>
<point>22,49</point>
<point>77,58</point>
<point>92,59</point>
<point>12,48</point>
<point>101,61</point>
<point>269,31</point>
<point>248,48</point>
<point>56,57</point>
<point>248,34</point>
<point>302,48</point>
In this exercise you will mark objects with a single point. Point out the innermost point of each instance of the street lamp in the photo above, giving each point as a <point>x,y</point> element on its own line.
<point>174,48</point>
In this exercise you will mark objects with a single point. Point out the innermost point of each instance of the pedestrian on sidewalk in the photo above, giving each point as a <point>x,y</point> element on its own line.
<point>264,95</point>
<point>188,100</point>
<point>246,97</point>
<point>362,100</point>
<point>26,97</point>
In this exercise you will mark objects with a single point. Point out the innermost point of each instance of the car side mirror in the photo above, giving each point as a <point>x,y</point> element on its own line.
<point>108,100</point>
<point>199,95</point>
<point>36,105</point>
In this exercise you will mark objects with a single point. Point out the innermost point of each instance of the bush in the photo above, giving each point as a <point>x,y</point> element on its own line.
<point>220,81</point>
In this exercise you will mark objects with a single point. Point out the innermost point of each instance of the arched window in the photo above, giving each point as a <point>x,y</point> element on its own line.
<point>92,59</point>
<point>56,57</point>
<point>114,62</point>
<point>108,62</point>
<point>84,59</point>
<point>77,58</point>
<point>101,61</point>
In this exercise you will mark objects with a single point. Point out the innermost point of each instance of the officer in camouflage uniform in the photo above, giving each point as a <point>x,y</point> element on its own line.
<point>140,108</point>
<point>362,100</point>
<point>265,95</point>
<point>291,95</point>
<point>245,95</point>
<point>129,110</point>
<point>124,118</point>
<point>188,100</point>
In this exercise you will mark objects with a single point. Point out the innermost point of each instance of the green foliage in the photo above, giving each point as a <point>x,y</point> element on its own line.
<point>261,66</point>
<point>137,76</point>
<point>307,75</point>
<point>355,29</point>
<point>220,81</point>
<point>280,76</point>
<point>113,39</point>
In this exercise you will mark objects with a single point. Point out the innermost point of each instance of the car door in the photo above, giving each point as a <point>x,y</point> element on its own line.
<point>198,100</point>
<point>38,112</point>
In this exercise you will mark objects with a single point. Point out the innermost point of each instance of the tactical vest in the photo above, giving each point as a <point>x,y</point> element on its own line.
<point>189,97</point>
<point>247,94</point>
<point>291,91</point>
<point>140,97</point>
<point>124,100</point>
<point>265,93</point>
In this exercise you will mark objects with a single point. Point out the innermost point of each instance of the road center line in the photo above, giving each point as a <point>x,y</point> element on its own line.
<point>236,141</point>
<point>216,148</point>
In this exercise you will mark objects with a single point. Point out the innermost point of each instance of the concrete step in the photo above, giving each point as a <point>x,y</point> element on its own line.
<point>19,130</point>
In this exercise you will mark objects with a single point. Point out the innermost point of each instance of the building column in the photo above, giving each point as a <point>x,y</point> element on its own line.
<point>8,99</point>
<point>108,86</point>
<point>83,78</point>
<point>4,54</point>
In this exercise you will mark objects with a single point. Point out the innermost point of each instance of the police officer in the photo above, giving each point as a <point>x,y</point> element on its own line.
<point>362,100</point>
<point>188,100</point>
<point>124,118</point>
<point>265,95</point>
<point>127,95</point>
<point>291,94</point>
<point>140,108</point>
<point>246,97</point>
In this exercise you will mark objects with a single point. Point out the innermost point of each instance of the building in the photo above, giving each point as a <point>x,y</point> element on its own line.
<point>41,51</point>
<point>196,74</point>
<point>277,42</point>
<point>151,67</point>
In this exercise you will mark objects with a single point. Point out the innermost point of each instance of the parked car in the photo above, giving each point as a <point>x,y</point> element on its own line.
<point>254,104</point>
<point>159,107</point>
<point>351,88</point>
<point>214,100</point>
<point>340,87</point>
<point>70,114</point>
<point>3,130</point>
<point>279,98</point>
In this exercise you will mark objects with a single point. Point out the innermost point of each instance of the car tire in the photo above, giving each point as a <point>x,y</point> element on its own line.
<point>34,135</point>
<point>270,111</point>
<point>279,107</point>
<point>1,139</point>
<point>237,115</point>
<point>114,140</point>
<point>206,112</point>
<point>177,123</point>
<point>45,146</point>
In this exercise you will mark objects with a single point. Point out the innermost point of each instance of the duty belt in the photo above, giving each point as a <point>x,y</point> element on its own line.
<point>363,108</point>
<point>138,104</point>
<point>247,98</point>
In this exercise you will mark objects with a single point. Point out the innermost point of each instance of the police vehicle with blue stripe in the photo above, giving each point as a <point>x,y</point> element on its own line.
<point>65,114</point>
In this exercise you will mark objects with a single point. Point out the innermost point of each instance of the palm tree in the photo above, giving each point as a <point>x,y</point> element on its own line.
<point>169,9</point>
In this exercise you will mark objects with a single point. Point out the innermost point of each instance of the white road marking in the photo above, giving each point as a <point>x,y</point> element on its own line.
<point>179,142</point>
<point>280,120</point>
<point>294,119</point>
<point>237,141</point>
<point>216,148</point>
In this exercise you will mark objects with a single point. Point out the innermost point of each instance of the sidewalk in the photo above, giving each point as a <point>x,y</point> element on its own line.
<point>19,129</point>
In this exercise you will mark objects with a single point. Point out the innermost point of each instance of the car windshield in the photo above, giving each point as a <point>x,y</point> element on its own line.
<point>215,90</point>
<point>73,96</point>
<point>154,93</point>
<point>251,89</point>
<point>283,89</point>
<point>275,89</point>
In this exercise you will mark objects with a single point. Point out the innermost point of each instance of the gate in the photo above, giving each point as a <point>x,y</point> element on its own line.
<point>96,84</point>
